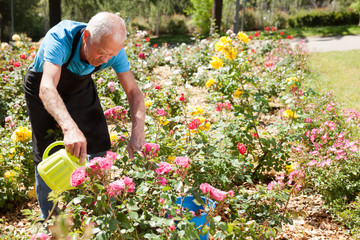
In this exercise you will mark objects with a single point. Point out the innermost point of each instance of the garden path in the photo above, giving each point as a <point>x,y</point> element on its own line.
<point>326,44</point>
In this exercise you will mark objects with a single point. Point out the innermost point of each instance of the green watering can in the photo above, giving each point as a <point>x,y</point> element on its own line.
<point>57,168</point>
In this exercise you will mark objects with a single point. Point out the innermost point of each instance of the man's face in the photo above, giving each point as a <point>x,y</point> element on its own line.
<point>99,52</point>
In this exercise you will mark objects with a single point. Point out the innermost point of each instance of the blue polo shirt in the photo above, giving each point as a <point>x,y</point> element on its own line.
<point>56,48</point>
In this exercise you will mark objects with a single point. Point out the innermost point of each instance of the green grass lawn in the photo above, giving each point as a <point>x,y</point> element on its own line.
<point>338,72</point>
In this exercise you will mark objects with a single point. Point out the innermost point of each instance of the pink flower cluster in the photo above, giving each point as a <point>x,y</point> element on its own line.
<point>225,105</point>
<point>117,187</point>
<point>163,168</point>
<point>194,124</point>
<point>215,193</point>
<point>161,112</point>
<point>95,166</point>
<point>182,162</point>
<point>150,150</point>
<point>116,113</point>
<point>40,236</point>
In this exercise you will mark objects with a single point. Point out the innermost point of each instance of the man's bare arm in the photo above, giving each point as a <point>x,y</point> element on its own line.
<point>74,139</point>
<point>137,110</point>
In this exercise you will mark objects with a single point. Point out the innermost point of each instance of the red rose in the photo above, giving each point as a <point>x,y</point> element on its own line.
<point>22,56</point>
<point>155,45</point>
<point>289,37</point>
<point>242,149</point>
<point>194,124</point>
<point>256,34</point>
<point>147,39</point>
<point>182,98</point>
<point>142,55</point>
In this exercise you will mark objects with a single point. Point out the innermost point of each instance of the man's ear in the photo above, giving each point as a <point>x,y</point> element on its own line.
<point>86,34</point>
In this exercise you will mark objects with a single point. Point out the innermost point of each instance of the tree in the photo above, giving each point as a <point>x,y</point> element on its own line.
<point>54,12</point>
<point>356,6</point>
<point>26,19</point>
<point>216,15</point>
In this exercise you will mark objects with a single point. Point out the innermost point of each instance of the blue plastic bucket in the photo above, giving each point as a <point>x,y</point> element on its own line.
<point>188,202</point>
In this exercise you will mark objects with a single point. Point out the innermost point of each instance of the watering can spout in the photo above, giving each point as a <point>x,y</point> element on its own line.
<point>57,168</point>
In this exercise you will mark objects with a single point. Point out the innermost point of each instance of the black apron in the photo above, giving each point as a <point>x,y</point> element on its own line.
<point>82,102</point>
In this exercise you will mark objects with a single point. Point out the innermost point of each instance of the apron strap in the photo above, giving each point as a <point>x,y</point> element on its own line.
<point>75,43</point>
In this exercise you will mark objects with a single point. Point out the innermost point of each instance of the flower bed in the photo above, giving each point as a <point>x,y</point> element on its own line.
<point>259,126</point>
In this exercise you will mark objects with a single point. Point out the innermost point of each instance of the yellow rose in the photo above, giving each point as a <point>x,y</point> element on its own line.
<point>21,134</point>
<point>290,114</point>
<point>243,37</point>
<point>163,120</point>
<point>210,82</point>
<point>113,137</point>
<point>226,40</point>
<point>18,44</point>
<point>16,37</point>
<point>231,54</point>
<point>171,159</point>
<point>10,174</point>
<point>238,93</point>
<point>219,46</point>
<point>216,62</point>
<point>148,103</point>
<point>290,168</point>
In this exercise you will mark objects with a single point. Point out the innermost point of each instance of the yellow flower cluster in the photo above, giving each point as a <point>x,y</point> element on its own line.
<point>290,114</point>
<point>148,103</point>
<point>113,137</point>
<point>238,93</point>
<point>204,125</point>
<point>292,80</point>
<point>210,82</point>
<point>10,174</point>
<point>197,111</point>
<point>21,134</point>
<point>216,62</point>
<point>243,37</point>
<point>163,120</point>
<point>171,159</point>
<point>225,46</point>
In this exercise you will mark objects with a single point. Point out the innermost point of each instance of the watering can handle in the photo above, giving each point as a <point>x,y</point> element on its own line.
<point>54,144</point>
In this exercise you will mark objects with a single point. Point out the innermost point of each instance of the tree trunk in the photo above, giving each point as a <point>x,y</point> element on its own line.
<point>54,12</point>
<point>216,15</point>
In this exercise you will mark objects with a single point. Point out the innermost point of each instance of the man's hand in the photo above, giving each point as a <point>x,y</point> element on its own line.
<point>135,144</point>
<point>137,110</point>
<point>75,144</point>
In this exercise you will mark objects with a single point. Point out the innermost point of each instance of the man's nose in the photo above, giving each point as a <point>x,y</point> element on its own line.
<point>104,59</point>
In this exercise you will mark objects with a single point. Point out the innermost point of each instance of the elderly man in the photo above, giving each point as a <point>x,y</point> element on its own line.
<point>60,92</point>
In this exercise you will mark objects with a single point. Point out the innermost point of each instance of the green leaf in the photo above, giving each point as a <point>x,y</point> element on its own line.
<point>134,215</point>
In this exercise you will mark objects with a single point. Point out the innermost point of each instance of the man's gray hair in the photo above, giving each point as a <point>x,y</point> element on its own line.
<point>105,23</point>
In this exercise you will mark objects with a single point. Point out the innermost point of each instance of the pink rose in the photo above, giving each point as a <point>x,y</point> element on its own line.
<point>103,163</point>
<point>162,181</point>
<point>217,194</point>
<point>150,148</point>
<point>78,177</point>
<point>40,236</point>
<point>205,187</point>
<point>194,124</point>
<point>182,162</point>
<point>129,183</point>
<point>231,193</point>
<point>163,168</point>
<point>172,228</point>
<point>161,200</point>
<point>116,187</point>
<point>161,112</point>
<point>111,155</point>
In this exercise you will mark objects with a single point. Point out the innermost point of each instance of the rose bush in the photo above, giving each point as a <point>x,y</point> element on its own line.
<point>256,137</point>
